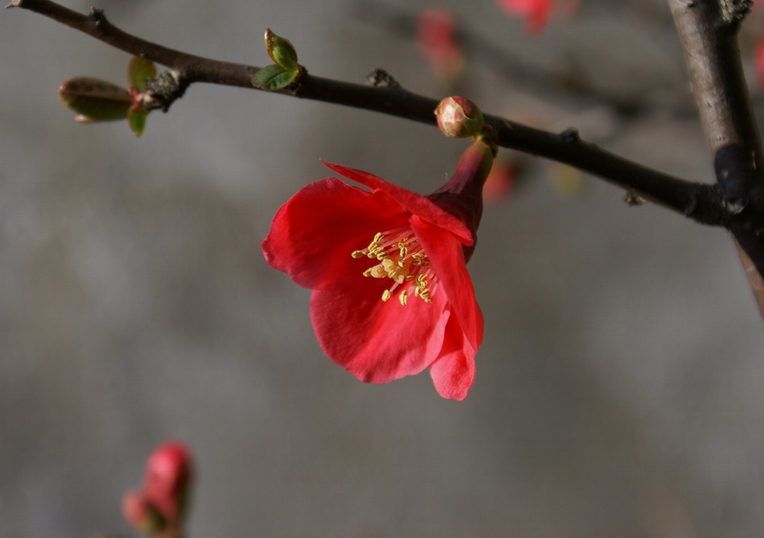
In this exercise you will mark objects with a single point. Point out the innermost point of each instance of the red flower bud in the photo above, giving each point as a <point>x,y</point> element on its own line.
<point>168,476</point>
<point>459,117</point>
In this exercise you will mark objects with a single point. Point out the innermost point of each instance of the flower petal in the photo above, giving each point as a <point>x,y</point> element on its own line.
<point>454,372</point>
<point>415,203</point>
<point>374,340</point>
<point>315,232</point>
<point>447,258</point>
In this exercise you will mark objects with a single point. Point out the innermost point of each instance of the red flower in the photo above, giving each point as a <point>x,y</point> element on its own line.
<point>403,303</point>
<point>535,12</point>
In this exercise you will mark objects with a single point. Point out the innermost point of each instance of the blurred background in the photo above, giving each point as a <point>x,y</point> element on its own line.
<point>618,391</point>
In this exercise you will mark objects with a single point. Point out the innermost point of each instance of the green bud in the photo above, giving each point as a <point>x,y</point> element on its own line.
<point>281,51</point>
<point>139,70</point>
<point>459,117</point>
<point>94,99</point>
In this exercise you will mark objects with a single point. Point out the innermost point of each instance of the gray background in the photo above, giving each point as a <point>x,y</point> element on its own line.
<point>618,388</point>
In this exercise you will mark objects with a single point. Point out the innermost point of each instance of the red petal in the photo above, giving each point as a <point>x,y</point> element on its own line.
<point>447,258</point>
<point>454,372</point>
<point>315,232</point>
<point>415,203</point>
<point>374,340</point>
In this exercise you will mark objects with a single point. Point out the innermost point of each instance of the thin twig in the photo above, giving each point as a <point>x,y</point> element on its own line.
<point>697,201</point>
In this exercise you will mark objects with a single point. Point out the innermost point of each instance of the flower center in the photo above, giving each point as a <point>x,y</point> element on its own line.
<point>401,259</point>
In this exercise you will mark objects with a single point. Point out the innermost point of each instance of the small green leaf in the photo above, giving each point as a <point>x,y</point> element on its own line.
<point>138,71</point>
<point>273,77</point>
<point>94,99</point>
<point>137,120</point>
<point>281,51</point>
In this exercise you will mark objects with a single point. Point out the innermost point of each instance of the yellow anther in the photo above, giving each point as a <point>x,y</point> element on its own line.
<point>389,266</point>
<point>377,272</point>
<point>400,259</point>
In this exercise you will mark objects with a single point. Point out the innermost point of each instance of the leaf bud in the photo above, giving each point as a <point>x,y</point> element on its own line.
<point>459,117</point>
<point>281,51</point>
<point>94,99</point>
<point>139,71</point>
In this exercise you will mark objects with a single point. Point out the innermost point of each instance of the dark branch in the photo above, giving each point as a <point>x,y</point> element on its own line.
<point>697,201</point>
<point>708,32</point>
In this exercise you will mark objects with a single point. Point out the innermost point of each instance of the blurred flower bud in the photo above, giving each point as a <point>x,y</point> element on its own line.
<point>281,51</point>
<point>500,180</point>
<point>535,12</point>
<point>141,514</point>
<point>437,42</point>
<point>94,99</point>
<point>459,117</point>
<point>565,181</point>
<point>168,477</point>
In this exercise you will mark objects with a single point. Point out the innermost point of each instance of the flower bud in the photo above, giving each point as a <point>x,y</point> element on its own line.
<point>281,51</point>
<point>459,117</point>
<point>168,477</point>
<point>438,43</point>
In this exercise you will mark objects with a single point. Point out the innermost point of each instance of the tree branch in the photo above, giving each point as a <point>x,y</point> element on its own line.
<point>708,32</point>
<point>700,202</point>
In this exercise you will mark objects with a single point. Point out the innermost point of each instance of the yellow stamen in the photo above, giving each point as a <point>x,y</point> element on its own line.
<point>403,297</point>
<point>402,260</point>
